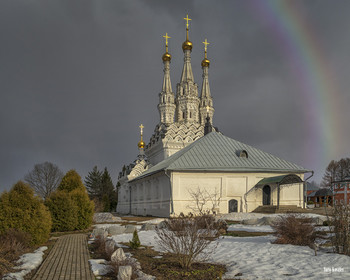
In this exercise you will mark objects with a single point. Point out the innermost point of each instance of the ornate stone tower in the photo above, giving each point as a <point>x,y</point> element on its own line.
<point>182,119</point>
<point>166,104</point>
<point>206,108</point>
<point>187,101</point>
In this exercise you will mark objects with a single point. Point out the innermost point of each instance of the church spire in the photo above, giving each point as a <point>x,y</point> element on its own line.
<point>166,104</point>
<point>187,101</point>
<point>187,74</point>
<point>166,60</point>
<point>206,102</point>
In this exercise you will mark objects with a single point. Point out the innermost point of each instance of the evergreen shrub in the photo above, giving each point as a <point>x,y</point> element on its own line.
<point>70,206</point>
<point>63,210</point>
<point>21,210</point>
<point>71,181</point>
<point>135,242</point>
<point>85,208</point>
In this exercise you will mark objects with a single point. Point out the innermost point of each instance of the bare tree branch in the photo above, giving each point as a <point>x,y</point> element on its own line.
<point>44,178</point>
<point>200,200</point>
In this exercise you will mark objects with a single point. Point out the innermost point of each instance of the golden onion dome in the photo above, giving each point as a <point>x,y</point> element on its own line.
<point>166,57</point>
<point>141,144</point>
<point>187,45</point>
<point>205,62</point>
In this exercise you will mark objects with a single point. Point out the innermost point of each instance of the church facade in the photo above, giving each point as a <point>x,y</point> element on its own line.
<point>188,166</point>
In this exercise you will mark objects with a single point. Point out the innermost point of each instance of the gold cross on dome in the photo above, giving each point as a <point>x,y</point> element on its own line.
<point>166,38</point>
<point>187,20</point>
<point>141,127</point>
<point>166,41</point>
<point>205,45</point>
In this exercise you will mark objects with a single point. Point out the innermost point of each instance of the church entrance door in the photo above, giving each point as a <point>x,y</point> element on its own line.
<point>233,206</point>
<point>267,195</point>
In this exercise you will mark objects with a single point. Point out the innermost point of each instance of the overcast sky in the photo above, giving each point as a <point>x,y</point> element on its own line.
<point>78,77</point>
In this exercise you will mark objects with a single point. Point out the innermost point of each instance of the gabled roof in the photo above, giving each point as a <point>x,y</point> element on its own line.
<point>311,187</point>
<point>216,152</point>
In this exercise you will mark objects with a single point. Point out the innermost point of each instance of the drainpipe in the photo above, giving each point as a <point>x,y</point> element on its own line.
<point>278,196</point>
<point>171,193</point>
<point>130,200</point>
<point>305,187</point>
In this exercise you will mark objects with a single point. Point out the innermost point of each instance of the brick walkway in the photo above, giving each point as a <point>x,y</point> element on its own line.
<point>68,259</point>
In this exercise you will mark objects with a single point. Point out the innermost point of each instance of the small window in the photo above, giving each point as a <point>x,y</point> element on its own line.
<point>183,115</point>
<point>242,153</point>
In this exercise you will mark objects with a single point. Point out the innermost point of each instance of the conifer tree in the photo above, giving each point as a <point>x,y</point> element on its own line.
<point>107,186</point>
<point>93,183</point>
<point>135,242</point>
<point>107,189</point>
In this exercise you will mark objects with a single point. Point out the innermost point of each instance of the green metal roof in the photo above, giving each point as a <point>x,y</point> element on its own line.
<point>216,152</point>
<point>282,180</point>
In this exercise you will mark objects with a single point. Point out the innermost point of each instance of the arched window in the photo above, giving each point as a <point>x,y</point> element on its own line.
<point>233,206</point>
<point>183,114</point>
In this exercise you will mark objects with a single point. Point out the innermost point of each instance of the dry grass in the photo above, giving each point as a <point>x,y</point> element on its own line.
<point>13,244</point>
<point>137,219</point>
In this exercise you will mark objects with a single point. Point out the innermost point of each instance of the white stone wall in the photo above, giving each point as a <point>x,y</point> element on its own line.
<point>149,196</point>
<point>231,186</point>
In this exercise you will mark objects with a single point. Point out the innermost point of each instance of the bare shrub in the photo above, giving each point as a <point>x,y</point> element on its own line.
<point>188,238</point>
<point>99,247</point>
<point>203,221</point>
<point>341,224</point>
<point>13,244</point>
<point>294,229</point>
<point>204,202</point>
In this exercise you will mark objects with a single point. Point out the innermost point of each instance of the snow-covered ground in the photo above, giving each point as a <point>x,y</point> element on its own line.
<point>27,263</point>
<point>257,258</point>
<point>249,228</point>
<point>106,226</point>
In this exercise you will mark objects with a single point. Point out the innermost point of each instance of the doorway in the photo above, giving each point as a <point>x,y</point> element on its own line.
<point>267,195</point>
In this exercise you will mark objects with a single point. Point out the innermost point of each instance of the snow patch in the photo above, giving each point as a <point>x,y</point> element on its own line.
<point>27,263</point>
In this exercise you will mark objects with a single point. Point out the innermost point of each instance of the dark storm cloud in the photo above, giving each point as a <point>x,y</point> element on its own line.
<point>78,77</point>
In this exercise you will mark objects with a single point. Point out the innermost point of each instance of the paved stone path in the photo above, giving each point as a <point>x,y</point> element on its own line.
<point>68,259</point>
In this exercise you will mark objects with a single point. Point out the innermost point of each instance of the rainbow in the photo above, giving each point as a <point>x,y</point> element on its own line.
<point>314,76</point>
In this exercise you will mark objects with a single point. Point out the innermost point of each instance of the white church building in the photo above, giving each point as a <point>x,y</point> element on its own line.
<point>188,165</point>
